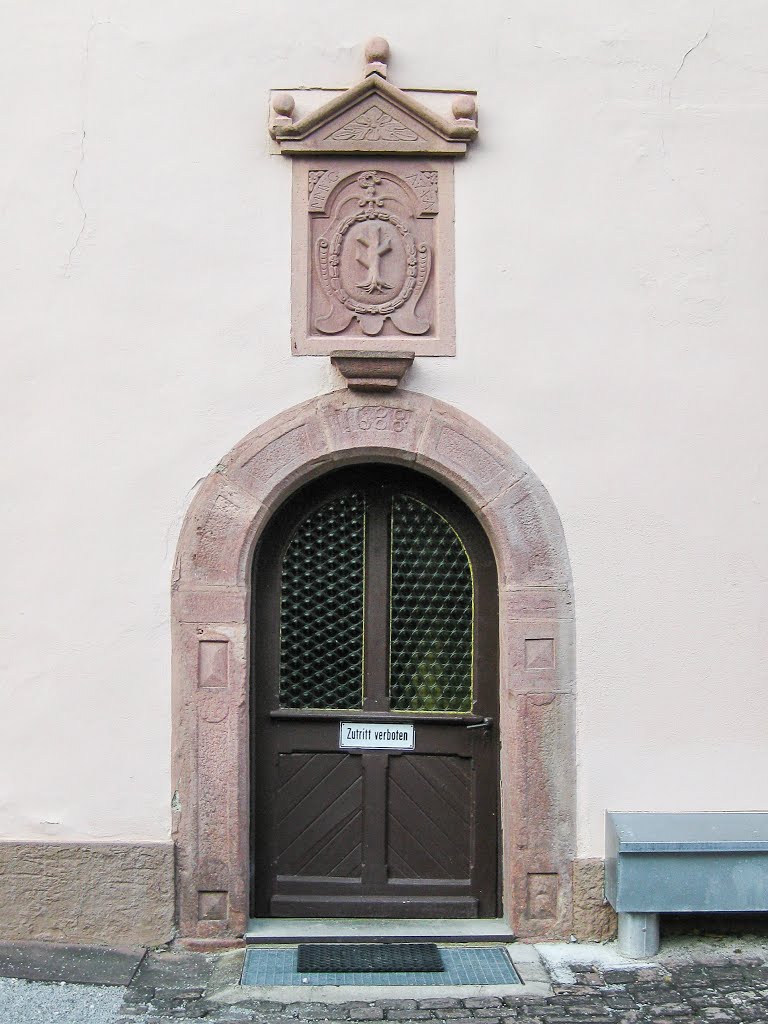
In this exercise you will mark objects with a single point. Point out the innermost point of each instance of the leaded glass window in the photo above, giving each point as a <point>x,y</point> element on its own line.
<point>376,607</point>
<point>431,612</point>
<point>321,608</point>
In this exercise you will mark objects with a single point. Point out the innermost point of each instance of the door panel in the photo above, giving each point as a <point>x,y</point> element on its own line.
<point>374,601</point>
<point>319,814</point>
<point>428,817</point>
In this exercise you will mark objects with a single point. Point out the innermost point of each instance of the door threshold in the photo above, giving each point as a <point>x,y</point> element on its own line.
<point>365,929</point>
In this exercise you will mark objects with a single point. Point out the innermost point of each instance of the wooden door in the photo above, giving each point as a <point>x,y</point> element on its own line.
<point>375,608</point>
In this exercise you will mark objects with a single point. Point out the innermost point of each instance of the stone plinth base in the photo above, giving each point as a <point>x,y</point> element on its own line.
<point>594,919</point>
<point>98,893</point>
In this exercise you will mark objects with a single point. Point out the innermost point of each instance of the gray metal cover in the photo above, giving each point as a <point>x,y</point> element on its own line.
<point>713,861</point>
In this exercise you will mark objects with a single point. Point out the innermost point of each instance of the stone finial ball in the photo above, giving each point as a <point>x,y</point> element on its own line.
<point>377,50</point>
<point>283,103</point>
<point>464,107</point>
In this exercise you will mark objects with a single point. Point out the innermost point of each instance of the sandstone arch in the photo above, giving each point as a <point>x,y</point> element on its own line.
<point>211,608</point>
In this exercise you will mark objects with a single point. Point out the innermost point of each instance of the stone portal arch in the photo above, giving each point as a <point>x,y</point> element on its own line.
<point>211,608</point>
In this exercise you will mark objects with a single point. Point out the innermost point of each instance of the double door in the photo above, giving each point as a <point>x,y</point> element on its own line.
<point>375,704</point>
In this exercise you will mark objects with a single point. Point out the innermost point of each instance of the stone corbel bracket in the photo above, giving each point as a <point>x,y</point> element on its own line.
<point>373,221</point>
<point>372,371</point>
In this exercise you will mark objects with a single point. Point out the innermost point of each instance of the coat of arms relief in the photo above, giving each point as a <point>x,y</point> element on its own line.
<point>373,260</point>
<point>372,256</point>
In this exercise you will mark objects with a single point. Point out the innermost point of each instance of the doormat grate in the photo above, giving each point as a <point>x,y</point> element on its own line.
<point>366,957</point>
<point>462,965</point>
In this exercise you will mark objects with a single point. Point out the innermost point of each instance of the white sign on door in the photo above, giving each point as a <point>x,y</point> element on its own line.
<point>376,736</point>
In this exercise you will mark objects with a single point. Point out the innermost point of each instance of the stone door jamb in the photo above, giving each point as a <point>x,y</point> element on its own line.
<point>210,622</point>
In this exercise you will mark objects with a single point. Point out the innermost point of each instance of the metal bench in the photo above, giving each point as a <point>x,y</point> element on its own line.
<point>672,863</point>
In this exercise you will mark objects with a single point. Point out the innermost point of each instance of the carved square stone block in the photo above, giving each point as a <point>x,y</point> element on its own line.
<point>213,657</point>
<point>372,255</point>
<point>538,656</point>
<point>213,663</point>
<point>542,895</point>
<point>213,906</point>
<point>540,652</point>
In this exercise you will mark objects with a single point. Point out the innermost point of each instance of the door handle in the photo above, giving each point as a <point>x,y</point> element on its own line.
<point>485,724</point>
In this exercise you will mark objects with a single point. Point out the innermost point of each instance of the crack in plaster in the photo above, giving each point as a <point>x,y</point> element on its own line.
<point>688,53</point>
<point>84,79</point>
<point>666,159</point>
<point>79,198</point>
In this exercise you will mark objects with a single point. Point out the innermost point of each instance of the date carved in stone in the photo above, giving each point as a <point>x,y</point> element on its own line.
<point>373,258</point>
<point>374,417</point>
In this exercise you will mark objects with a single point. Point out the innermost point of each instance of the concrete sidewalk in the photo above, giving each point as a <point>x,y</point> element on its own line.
<point>715,980</point>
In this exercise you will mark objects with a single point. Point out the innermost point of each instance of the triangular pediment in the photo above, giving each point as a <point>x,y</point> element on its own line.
<point>374,116</point>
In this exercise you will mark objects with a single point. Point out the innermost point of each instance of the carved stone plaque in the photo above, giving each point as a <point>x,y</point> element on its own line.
<point>372,235</point>
<point>371,265</point>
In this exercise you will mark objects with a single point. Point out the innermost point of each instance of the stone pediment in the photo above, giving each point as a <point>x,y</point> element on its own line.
<point>373,116</point>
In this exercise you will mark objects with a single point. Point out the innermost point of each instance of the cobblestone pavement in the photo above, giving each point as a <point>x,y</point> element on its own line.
<point>715,990</point>
<point>710,983</point>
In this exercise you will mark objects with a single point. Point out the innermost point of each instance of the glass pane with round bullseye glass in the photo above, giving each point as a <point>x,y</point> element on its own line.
<point>431,612</point>
<point>321,608</point>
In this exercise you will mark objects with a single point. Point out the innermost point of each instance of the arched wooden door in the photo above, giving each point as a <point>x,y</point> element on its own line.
<point>374,703</point>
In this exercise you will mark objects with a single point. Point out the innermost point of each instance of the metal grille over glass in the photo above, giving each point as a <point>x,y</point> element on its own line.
<point>321,608</point>
<point>431,614</point>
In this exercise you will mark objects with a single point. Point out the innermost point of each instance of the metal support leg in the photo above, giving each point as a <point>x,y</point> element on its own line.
<point>638,935</point>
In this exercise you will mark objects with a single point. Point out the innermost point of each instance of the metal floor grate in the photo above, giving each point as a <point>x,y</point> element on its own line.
<point>463,965</point>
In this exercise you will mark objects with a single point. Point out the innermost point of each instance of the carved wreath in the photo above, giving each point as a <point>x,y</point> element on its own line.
<point>330,256</point>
